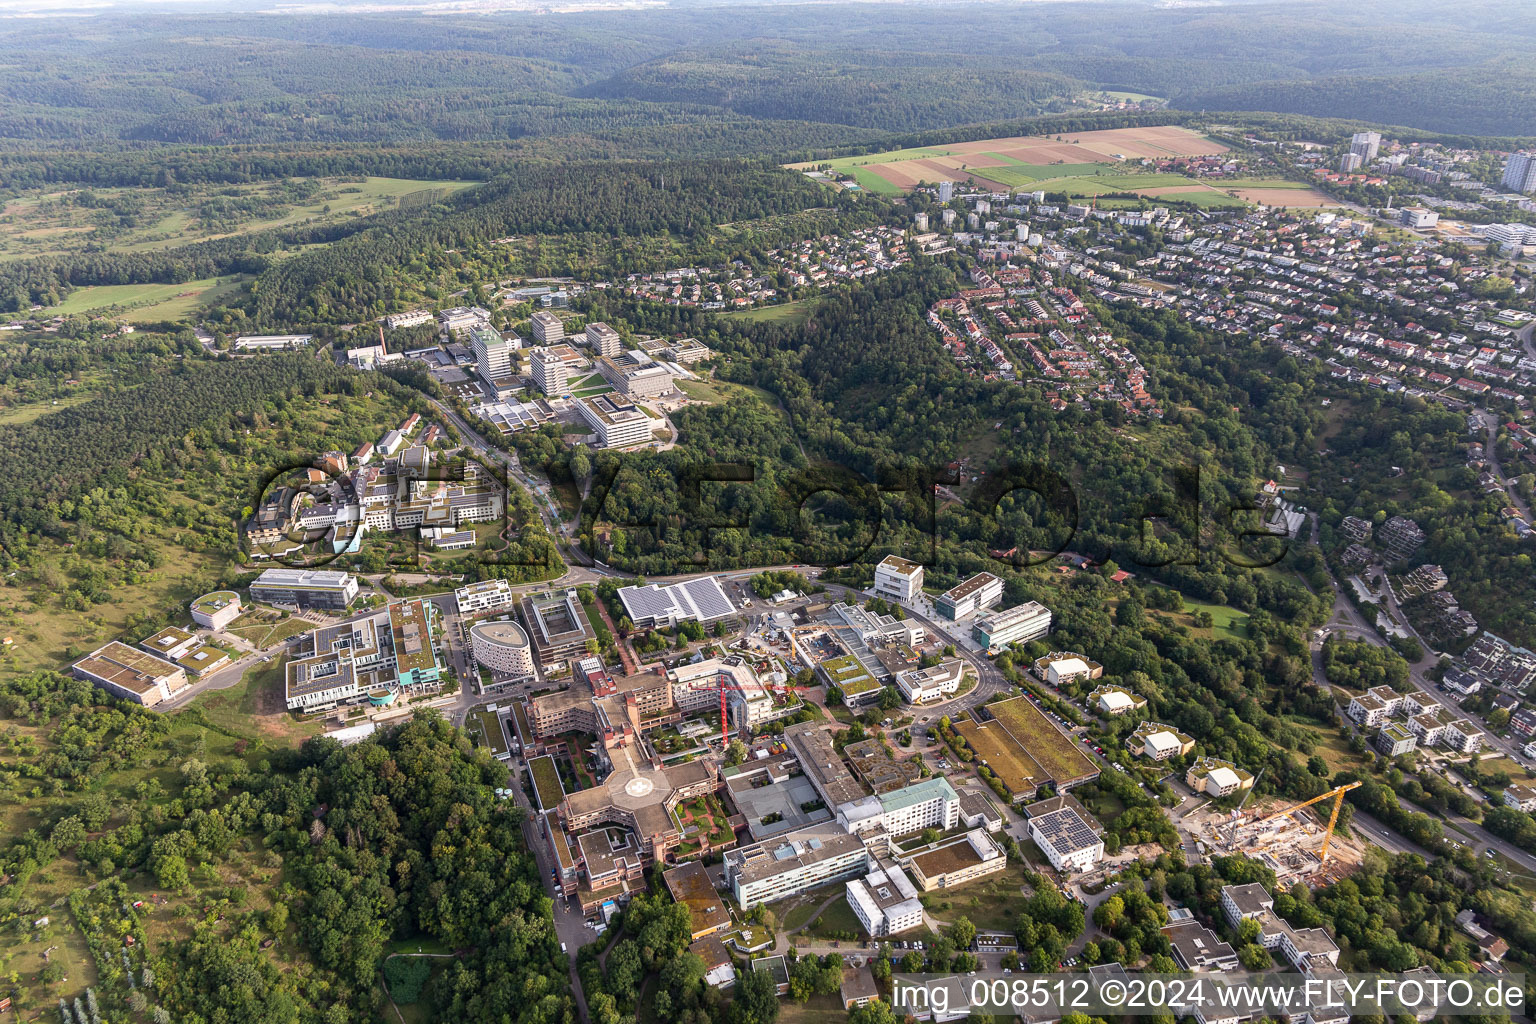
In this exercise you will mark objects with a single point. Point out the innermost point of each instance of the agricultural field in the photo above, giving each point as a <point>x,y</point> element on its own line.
<point>1019,161</point>
<point>55,221</point>
<point>1084,166</point>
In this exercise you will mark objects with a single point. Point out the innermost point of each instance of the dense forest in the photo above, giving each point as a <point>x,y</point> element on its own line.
<point>781,75</point>
<point>43,464</point>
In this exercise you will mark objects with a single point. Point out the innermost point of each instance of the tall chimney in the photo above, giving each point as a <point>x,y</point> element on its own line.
<point>383,349</point>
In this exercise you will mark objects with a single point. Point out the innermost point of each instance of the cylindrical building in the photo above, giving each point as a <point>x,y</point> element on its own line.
<point>502,647</point>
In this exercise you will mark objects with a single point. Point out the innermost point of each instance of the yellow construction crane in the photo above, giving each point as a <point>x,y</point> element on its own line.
<point>1333,819</point>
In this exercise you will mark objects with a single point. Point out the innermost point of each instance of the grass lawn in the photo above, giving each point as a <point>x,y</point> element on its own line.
<point>796,312</point>
<point>16,415</point>
<point>147,301</point>
<point>816,1010</point>
<point>266,633</point>
<point>256,707</point>
<point>837,918</point>
<point>992,903</point>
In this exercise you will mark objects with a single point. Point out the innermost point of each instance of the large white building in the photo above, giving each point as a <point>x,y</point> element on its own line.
<point>493,354</point>
<point>1520,172</point>
<point>305,588</point>
<point>899,578</point>
<point>502,646</point>
<point>1019,624</point>
<point>617,423</point>
<point>271,342</point>
<point>463,318</point>
<point>550,373</point>
<point>605,341</point>
<point>547,328</point>
<point>885,902</point>
<point>656,605</point>
<point>485,596</point>
<point>977,594</point>
<point>931,803</point>
<point>780,867</point>
<point>925,685</point>
<point>1366,144</point>
<point>1071,843</point>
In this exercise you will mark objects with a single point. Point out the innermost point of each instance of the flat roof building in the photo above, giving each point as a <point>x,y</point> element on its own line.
<point>216,610</point>
<point>305,588</point>
<point>925,685</point>
<point>133,675</point>
<point>1067,838</point>
<point>957,861</point>
<point>660,606</point>
<point>977,594</point>
<point>547,327</point>
<point>605,341</point>
<point>781,867</point>
<point>899,578</point>
<point>616,422</point>
<point>885,902</point>
<point>494,359</point>
<point>550,372</point>
<point>502,647</point>
<point>635,375</point>
<point>1019,624</point>
<point>484,596</point>
<point>557,625</point>
<point>689,885</point>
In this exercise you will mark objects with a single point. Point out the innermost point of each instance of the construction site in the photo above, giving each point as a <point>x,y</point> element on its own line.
<point>1298,841</point>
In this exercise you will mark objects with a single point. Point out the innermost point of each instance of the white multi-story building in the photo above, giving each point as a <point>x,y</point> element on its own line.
<point>485,596</point>
<point>502,646</point>
<point>977,594</point>
<point>1019,624</point>
<point>463,318</point>
<point>1520,172</point>
<point>925,685</point>
<point>1366,144</point>
<point>217,610</point>
<point>899,578</point>
<point>411,318</point>
<point>1071,843</point>
<point>931,803</point>
<point>547,328</point>
<point>885,902</point>
<point>493,354</point>
<point>777,868</point>
<point>605,341</point>
<point>617,423</point>
<point>550,373</point>
<point>1462,736</point>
